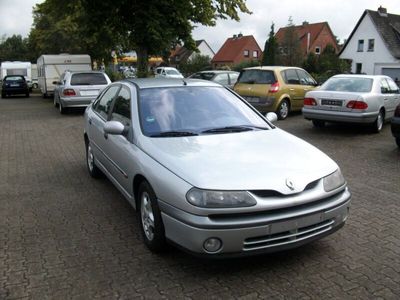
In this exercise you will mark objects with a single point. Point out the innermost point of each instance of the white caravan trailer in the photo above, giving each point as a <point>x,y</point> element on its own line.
<point>16,68</point>
<point>50,67</point>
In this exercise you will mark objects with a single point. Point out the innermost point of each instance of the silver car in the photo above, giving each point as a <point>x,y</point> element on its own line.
<point>78,88</point>
<point>367,99</point>
<point>226,78</point>
<point>207,172</point>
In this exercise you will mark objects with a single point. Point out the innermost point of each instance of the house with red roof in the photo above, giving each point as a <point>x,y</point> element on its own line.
<point>237,49</point>
<point>181,54</point>
<point>313,37</point>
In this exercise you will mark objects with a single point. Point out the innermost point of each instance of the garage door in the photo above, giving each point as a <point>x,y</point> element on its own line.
<point>392,72</point>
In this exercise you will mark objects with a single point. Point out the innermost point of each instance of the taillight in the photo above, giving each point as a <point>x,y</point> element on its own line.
<point>69,92</point>
<point>274,87</point>
<point>397,111</point>
<point>310,101</point>
<point>353,104</point>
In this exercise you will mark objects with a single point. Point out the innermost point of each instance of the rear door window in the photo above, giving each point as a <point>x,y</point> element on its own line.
<point>291,76</point>
<point>88,79</point>
<point>257,77</point>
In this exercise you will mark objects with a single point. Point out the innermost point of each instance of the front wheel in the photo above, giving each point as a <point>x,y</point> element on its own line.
<point>151,225</point>
<point>378,123</point>
<point>283,110</point>
<point>94,171</point>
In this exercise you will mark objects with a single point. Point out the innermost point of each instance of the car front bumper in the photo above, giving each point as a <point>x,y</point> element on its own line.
<point>338,116</point>
<point>395,126</point>
<point>263,232</point>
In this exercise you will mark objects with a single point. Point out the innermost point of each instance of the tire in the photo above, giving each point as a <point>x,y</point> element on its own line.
<point>3,95</point>
<point>318,123</point>
<point>94,171</point>
<point>61,108</point>
<point>283,110</point>
<point>54,101</point>
<point>376,127</point>
<point>35,86</point>
<point>149,215</point>
<point>398,141</point>
<point>27,95</point>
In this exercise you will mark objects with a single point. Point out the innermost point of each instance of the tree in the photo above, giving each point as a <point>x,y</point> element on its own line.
<point>62,26</point>
<point>152,26</point>
<point>270,49</point>
<point>291,53</point>
<point>311,63</point>
<point>14,48</point>
<point>196,64</point>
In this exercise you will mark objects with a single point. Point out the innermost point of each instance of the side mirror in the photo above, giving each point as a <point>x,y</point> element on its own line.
<point>56,82</point>
<point>114,127</point>
<point>272,117</point>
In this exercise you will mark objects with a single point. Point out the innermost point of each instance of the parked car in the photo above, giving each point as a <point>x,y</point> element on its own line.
<point>179,152</point>
<point>78,88</point>
<point>167,72</point>
<point>367,99</point>
<point>395,125</point>
<point>226,78</point>
<point>14,85</point>
<point>275,89</point>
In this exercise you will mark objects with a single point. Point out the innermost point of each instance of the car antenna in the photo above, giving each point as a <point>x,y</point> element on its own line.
<point>184,82</point>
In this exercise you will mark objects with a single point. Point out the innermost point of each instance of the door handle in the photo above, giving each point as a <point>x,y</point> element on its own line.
<point>105,135</point>
<point>291,90</point>
<point>90,121</point>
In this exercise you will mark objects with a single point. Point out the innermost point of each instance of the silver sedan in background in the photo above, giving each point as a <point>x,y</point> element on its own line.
<point>204,169</point>
<point>367,99</point>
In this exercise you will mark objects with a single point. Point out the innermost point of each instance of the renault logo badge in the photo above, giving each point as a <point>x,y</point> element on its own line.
<point>289,184</point>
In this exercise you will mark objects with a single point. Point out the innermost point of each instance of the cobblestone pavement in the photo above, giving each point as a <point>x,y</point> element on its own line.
<point>64,235</point>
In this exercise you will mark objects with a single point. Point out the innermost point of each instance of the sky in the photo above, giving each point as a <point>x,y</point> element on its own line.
<point>342,16</point>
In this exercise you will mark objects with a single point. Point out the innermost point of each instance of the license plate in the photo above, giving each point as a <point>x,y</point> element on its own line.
<point>14,84</point>
<point>89,93</point>
<point>331,102</point>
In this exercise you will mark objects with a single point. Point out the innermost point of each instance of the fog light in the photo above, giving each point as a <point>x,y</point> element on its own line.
<point>212,245</point>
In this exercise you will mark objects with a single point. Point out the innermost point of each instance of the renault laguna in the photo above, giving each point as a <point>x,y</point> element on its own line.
<point>208,173</point>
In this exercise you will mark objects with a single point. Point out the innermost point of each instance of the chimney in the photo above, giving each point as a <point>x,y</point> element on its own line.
<point>382,11</point>
<point>234,36</point>
<point>240,35</point>
<point>305,23</point>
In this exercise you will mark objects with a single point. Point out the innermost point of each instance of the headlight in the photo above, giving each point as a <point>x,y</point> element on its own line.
<point>333,181</point>
<point>219,199</point>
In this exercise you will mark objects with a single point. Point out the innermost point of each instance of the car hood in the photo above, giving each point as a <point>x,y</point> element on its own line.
<point>256,160</point>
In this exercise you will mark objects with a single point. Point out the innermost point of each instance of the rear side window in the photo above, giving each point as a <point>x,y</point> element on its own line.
<point>257,77</point>
<point>88,79</point>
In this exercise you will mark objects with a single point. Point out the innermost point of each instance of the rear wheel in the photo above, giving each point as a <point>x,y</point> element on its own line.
<point>398,142</point>
<point>3,95</point>
<point>151,225</point>
<point>283,110</point>
<point>318,123</point>
<point>61,108</point>
<point>55,101</point>
<point>378,123</point>
<point>27,95</point>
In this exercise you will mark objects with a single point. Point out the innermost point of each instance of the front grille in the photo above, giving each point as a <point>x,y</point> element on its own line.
<point>287,237</point>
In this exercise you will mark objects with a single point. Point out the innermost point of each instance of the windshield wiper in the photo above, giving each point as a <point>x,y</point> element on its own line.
<point>228,129</point>
<point>174,134</point>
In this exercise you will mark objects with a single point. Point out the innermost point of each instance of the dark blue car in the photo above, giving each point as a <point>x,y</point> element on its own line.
<point>14,85</point>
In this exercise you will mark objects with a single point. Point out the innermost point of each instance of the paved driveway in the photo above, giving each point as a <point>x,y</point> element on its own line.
<point>65,235</point>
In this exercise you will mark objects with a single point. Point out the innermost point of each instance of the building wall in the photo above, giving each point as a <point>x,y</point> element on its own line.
<point>324,38</point>
<point>372,62</point>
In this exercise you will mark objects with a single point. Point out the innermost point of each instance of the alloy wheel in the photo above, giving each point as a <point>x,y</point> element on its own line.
<point>147,216</point>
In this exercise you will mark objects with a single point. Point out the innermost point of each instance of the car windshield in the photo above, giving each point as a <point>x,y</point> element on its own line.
<point>88,79</point>
<point>257,76</point>
<point>184,111</point>
<point>172,72</point>
<point>348,84</point>
<point>14,78</point>
<point>204,75</point>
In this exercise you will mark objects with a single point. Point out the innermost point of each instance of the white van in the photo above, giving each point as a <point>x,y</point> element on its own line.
<point>16,68</point>
<point>50,68</point>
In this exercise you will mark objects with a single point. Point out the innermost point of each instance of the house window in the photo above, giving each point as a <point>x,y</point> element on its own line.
<point>177,58</point>
<point>255,54</point>
<point>360,47</point>
<point>371,45</point>
<point>358,68</point>
<point>317,50</point>
<point>246,53</point>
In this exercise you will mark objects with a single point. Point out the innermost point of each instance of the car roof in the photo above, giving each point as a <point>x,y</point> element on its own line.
<point>360,76</point>
<point>83,71</point>
<point>216,71</point>
<point>272,68</point>
<point>143,83</point>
